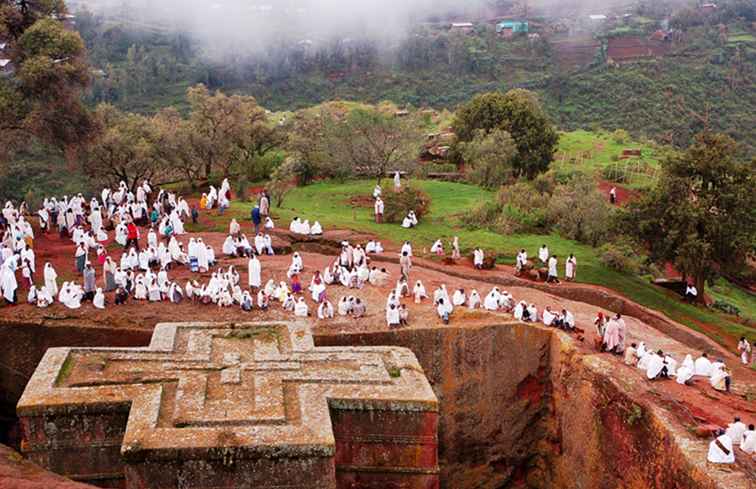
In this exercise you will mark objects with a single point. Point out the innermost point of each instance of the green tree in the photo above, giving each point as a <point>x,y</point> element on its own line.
<point>223,130</point>
<point>372,143</point>
<point>701,215</point>
<point>489,158</point>
<point>129,148</point>
<point>519,113</point>
<point>41,99</point>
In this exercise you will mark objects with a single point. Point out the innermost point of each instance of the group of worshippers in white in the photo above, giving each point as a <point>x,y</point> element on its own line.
<point>721,448</point>
<point>662,365</point>
<point>548,261</point>
<point>409,221</point>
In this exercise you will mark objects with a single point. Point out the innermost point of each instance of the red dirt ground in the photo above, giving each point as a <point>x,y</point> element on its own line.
<point>624,195</point>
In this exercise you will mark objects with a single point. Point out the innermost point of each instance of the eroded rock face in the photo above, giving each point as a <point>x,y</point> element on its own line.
<point>494,392</point>
<point>230,406</point>
<point>603,434</point>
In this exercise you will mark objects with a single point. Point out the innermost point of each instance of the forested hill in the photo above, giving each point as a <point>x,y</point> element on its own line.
<point>701,72</point>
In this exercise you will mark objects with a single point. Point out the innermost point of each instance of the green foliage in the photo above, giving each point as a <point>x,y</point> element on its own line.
<point>409,198</point>
<point>700,216</point>
<point>620,136</point>
<point>519,113</point>
<point>578,211</point>
<point>726,308</point>
<point>489,158</point>
<point>242,189</point>
<point>619,256</point>
<point>518,208</point>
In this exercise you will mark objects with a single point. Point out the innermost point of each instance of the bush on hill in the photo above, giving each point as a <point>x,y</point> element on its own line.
<point>398,204</point>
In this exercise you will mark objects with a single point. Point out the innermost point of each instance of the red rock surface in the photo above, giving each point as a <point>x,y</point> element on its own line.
<point>18,473</point>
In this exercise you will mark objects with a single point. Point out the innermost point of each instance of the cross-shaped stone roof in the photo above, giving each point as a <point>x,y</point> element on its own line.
<point>262,388</point>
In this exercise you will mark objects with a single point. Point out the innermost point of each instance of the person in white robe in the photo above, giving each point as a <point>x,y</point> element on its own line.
<point>444,310</point>
<point>317,290</point>
<point>393,319</point>
<point>748,440</point>
<point>344,306</point>
<point>543,254</point>
<point>305,227</point>
<point>474,301</point>
<point>419,292</point>
<point>397,182</point>
<point>437,248</point>
<point>255,269</point>
<point>269,224</point>
<point>44,298</point>
<point>202,258</point>
<point>296,262</point>
<point>548,316</point>
<point>295,225</point>
<point>519,310</point>
<point>301,309</point>
<point>325,310</point>
<point>655,366</point>
<point>684,374</point>
<point>99,299</point>
<point>491,302</point>
<point>74,296</point>
<point>31,296</point>
<point>532,313</point>
<point>570,267</point>
<point>377,191</point>
<point>51,279</point>
<point>229,246</point>
<point>721,449</point>
<point>268,241</point>
<point>478,258</point>
<point>744,348</point>
<point>720,376</point>
<point>735,430</point>
<point>316,229</point>
<point>459,298</point>
<point>8,282</point>
<point>234,228</point>
<point>456,253</point>
<point>553,274</point>
<point>703,366</point>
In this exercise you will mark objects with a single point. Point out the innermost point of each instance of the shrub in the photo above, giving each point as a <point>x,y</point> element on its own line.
<point>726,307</point>
<point>398,204</point>
<point>578,211</point>
<point>619,256</point>
<point>242,188</point>
<point>620,136</point>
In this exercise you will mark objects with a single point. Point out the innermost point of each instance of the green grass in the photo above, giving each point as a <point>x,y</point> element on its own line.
<point>727,292</point>
<point>328,203</point>
<point>591,152</point>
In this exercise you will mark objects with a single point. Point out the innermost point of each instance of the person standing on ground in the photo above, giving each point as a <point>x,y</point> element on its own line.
<point>405,262</point>
<point>256,218</point>
<point>264,206</point>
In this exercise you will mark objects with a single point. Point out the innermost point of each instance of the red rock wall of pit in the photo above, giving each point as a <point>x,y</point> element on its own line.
<point>493,388</point>
<point>601,437</point>
<point>22,346</point>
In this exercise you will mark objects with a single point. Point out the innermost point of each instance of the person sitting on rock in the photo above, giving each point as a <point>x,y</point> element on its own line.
<point>720,449</point>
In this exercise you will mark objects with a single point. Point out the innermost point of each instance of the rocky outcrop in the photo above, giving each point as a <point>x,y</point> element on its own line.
<point>18,473</point>
<point>603,433</point>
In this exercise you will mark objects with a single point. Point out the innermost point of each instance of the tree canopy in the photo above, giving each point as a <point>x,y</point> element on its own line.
<point>41,97</point>
<point>519,113</point>
<point>700,217</point>
<point>489,157</point>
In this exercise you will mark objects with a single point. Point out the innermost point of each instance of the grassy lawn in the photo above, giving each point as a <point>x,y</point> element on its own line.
<point>329,203</point>
<point>591,152</point>
<point>727,292</point>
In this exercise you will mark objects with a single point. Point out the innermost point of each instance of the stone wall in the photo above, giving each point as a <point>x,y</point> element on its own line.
<point>493,389</point>
<point>22,346</point>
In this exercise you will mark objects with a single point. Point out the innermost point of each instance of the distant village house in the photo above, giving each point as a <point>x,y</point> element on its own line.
<point>509,28</point>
